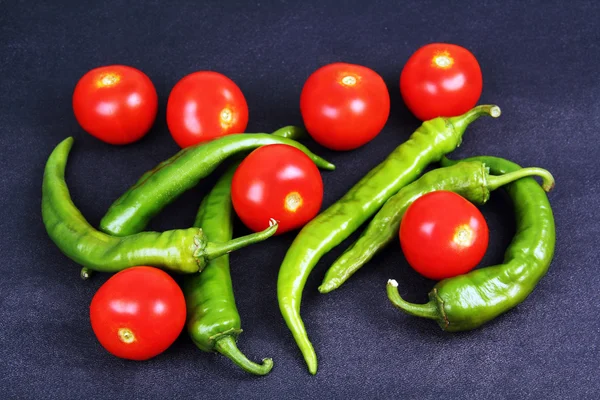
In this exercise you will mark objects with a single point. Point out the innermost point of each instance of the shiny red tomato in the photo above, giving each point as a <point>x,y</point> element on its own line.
<point>441,79</point>
<point>116,104</point>
<point>205,105</point>
<point>443,235</point>
<point>280,182</point>
<point>344,106</point>
<point>138,313</point>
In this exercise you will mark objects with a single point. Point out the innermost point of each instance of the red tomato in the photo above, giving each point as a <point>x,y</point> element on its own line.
<point>344,106</point>
<point>441,79</point>
<point>443,235</point>
<point>280,182</point>
<point>138,313</point>
<point>116,104</point>
<point>203,106</point>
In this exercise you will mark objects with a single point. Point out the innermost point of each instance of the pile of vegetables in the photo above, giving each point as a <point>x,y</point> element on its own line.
<point>273,185</point>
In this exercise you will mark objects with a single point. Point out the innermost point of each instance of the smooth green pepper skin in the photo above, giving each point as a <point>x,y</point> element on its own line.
<point>213,320</point>
<point>181,250</point>
<point>468,301</point>
<point>427,144</point>
<point>469,179</point>
<point>157,188</point>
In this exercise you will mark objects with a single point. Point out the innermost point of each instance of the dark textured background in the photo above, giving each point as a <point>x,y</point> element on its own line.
<point>540,64</point>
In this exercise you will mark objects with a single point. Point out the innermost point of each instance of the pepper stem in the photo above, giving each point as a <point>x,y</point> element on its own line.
<point>226,345</point>
<point>495,181</point>
<point>86,273</point>
<point>427,310</point>
<point>460,122</point>
<point>215,250</point>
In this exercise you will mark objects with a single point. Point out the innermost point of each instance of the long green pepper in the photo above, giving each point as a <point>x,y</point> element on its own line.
<point>432,140</point>
<point>180,250</point>
<point>468,301</point>
<point>470,179</point>
<point>213,321</point>
<point>157,188</point>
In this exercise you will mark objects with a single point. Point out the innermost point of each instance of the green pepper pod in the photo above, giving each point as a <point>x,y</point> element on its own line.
<point>157,188</point>
<point>470,300</point>
<point>469,179</point>
<point>432,140</point>
<point>213,321</point>
<point>182,250</point>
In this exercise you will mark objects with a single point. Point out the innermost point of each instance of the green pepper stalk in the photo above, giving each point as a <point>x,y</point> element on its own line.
<point>181,250</point>
<point>469,179</point>
<point>157,188</point>
<point>432,140</point>
<point>467,301</point>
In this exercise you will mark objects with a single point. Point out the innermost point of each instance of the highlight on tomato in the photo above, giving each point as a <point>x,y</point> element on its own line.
<point>115,103</point>
<point>205,105</point>
<point>442,235</point>
<point>344,106</point>
<point>138,313</point>
<point>441,79</point>
<point>279,182</point>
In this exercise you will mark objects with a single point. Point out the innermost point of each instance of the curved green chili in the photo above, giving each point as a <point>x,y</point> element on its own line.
<point>182,250</point>
<point>427,144</point>
<point>469,179</point>
<point>468,301</point>
<point>213,321</point>
<point>155,189</point>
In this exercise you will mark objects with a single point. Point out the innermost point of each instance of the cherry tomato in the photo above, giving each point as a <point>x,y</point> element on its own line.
<point>441,79</point>
<point>344,106</point>
<point>280,182</point>
<point>205,105</point>
<point>116,104</point>
<point>138,313</point>
<point>443,235</point>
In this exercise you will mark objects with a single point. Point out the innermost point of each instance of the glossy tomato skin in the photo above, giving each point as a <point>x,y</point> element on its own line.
<point>443,235</point>
<point>280,182</point>
<point>441,79</point>
<point>138,313</point>
<point>116,104</point>
<point>344,106</point>
<point>205,105</point>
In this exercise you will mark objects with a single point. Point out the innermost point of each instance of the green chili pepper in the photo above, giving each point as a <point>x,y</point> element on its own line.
<point>469,179</point>
<point>155,189</point>
<point>213,321</point>
<point>468,301</point>
<point>183,250</point>
<point>432,140</point>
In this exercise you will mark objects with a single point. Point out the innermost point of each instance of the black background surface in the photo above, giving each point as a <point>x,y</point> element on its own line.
<point>540,65</point>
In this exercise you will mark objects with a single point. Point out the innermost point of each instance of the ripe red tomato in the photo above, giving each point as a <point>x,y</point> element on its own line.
<point>116,104</point>
<point>344,106</point>
<point>441,79</point>
<point>205,105</point>
<point>280,182</point>
<point>138,313</point>
<point>443,235</point>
